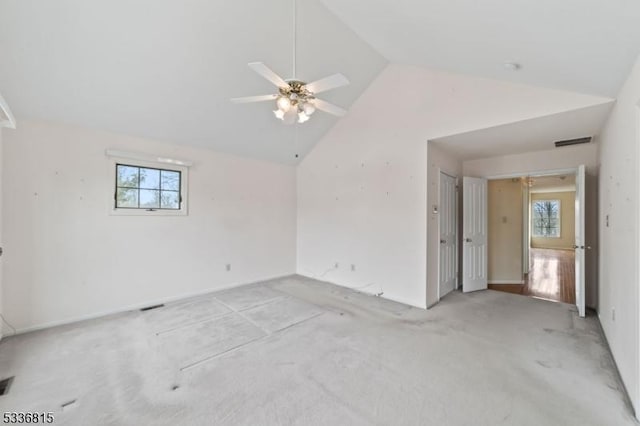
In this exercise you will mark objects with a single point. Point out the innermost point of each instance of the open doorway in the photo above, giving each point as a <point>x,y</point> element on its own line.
<point>531,229</point>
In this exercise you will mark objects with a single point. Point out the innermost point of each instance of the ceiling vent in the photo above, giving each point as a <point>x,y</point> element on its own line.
<point>573,142</point>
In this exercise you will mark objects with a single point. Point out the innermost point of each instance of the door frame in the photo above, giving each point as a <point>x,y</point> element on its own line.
<point>637,414</point>
<point>526,230</point>
<point>542,173</point>
<point>553,172</point>
<point>457,224</point>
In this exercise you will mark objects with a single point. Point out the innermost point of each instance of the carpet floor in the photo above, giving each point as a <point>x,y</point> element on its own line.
<point>296,351</point>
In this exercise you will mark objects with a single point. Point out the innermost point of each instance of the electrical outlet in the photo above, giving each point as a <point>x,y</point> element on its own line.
<point>353,267</point>
<point>607,217</point>
<point>613,314</point>
<point>228,266</point>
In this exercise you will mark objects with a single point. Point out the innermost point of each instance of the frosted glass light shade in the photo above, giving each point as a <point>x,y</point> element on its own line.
<point>290,116</point>
<point>283,103</point>
<point>308,108</point>
<point>302,117</point>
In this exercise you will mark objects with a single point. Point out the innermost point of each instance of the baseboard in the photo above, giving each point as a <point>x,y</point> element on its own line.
<point>500,282</point>
<point>403,301</point>
<point>383,295</point>
<point>137,306</point>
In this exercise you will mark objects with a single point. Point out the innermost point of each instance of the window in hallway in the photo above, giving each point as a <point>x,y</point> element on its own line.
<point>545,217</point>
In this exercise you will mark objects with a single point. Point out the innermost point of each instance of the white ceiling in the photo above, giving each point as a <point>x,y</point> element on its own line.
<point>585,46</point>
<point>166,69</point>
<point>536,134</point>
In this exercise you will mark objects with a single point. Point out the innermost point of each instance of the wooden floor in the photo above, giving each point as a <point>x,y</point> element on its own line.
<point>551,276</point>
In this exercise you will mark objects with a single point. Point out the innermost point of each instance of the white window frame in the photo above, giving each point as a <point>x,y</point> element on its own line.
<point>142,160</point>
<point>559,218</point>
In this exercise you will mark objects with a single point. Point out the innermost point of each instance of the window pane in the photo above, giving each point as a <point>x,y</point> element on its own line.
<point>149,199</point>
<point>170,180</point>
<point>127,198</point>
<point>546,218</point>
<point>149,179</point>
<point>127,176</point>
<point>170,200</point>
<point>147,188</point>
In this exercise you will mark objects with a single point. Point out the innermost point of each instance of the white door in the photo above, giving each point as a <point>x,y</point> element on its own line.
<point>474,234</point>
<point>448,225</point>
<point>580,240</point>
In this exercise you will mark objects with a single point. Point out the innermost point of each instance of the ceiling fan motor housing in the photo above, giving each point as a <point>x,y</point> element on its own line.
<point>296,92</point>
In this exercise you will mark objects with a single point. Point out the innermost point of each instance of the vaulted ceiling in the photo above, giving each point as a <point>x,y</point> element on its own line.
<point>165,69</point>
<point>583,46</point>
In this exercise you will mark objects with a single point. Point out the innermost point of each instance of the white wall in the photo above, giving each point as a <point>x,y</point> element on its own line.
<point>362,191</point>
<point>530,162</point>
<point>66,258</point>
<point>619,191</point>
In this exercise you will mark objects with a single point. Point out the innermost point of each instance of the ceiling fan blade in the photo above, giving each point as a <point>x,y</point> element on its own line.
<point>267,73</point>
<point>249,99</point>
<point>327,83</point>
<point>330,108</point>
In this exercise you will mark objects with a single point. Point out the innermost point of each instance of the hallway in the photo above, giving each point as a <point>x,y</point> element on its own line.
<point>551,277</point>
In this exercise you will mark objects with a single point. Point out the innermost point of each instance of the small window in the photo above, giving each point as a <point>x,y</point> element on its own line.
<point>147,188</point>
<point>545,218</point>
<point>141,184</point>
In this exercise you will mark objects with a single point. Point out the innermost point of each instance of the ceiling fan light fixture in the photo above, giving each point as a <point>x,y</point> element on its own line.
<point>284,103</point>
<point>302,117</point>
<point>290,116</point>
<point>296,99</point>
<point>308,108</point>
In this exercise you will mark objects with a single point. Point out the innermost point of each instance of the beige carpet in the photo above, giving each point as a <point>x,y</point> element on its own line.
<point>300,352</point>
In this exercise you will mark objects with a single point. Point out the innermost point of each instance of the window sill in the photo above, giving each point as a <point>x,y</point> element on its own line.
<point>143,212</point>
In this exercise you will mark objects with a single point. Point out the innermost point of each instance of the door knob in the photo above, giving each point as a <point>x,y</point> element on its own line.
<point>468,240</point>
<point>443,241</point>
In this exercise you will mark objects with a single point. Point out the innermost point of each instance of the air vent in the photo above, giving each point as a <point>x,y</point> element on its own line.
<point>572,142</point>
<point>68,404</point>
<point>5,385</point>
<point>148,308</point>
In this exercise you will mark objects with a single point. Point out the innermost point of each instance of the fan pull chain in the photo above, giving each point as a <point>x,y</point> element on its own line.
<point>295,142</point>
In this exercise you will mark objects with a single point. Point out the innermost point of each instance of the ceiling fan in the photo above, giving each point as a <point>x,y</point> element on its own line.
<point>296,100</point>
